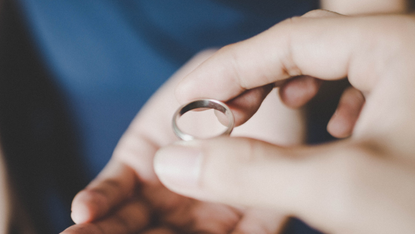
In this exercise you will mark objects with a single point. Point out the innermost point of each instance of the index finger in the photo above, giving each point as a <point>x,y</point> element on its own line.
<point>318,47</point>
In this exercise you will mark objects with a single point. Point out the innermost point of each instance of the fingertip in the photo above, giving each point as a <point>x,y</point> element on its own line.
<point>178,165</point>
<point>87,206</point>
<point>342,122</point>
<point>247,104</point>
<point>299,90</point>
<point>339,127</point>
<point>81,214</point>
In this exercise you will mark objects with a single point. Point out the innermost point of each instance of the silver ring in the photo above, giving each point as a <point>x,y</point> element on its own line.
<point>202,103</point>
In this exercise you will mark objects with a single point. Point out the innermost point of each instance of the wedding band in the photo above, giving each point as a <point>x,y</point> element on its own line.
<point>205,104</point>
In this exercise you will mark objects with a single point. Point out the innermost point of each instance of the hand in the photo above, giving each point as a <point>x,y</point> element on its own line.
<point>127,196</point>
<point>363,184</point>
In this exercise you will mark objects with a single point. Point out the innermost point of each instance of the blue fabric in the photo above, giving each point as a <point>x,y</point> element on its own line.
<point>109,56</point>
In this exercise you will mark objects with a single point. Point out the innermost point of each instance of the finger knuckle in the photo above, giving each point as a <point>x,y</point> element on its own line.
<point>233,59</point>
<point>289,66</point>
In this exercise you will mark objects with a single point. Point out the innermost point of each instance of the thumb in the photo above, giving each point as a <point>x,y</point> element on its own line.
<point>237,171</point>
<point>247,172</point>
<point>318,184</point>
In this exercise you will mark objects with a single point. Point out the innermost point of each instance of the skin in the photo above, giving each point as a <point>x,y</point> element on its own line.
<point>362,184</point>
<point>99,208</point>
<point>353,7</point>
<point>111,202</point>
<point>127,193</point>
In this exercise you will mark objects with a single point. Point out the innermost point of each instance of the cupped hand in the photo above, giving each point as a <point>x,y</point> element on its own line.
<point>127,197</point>
<point>363,184</point>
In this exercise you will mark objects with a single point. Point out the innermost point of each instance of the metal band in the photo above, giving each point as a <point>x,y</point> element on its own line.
<point>202,103</point>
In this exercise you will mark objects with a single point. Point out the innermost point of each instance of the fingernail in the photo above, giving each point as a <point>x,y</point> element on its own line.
<point>178,165</point>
